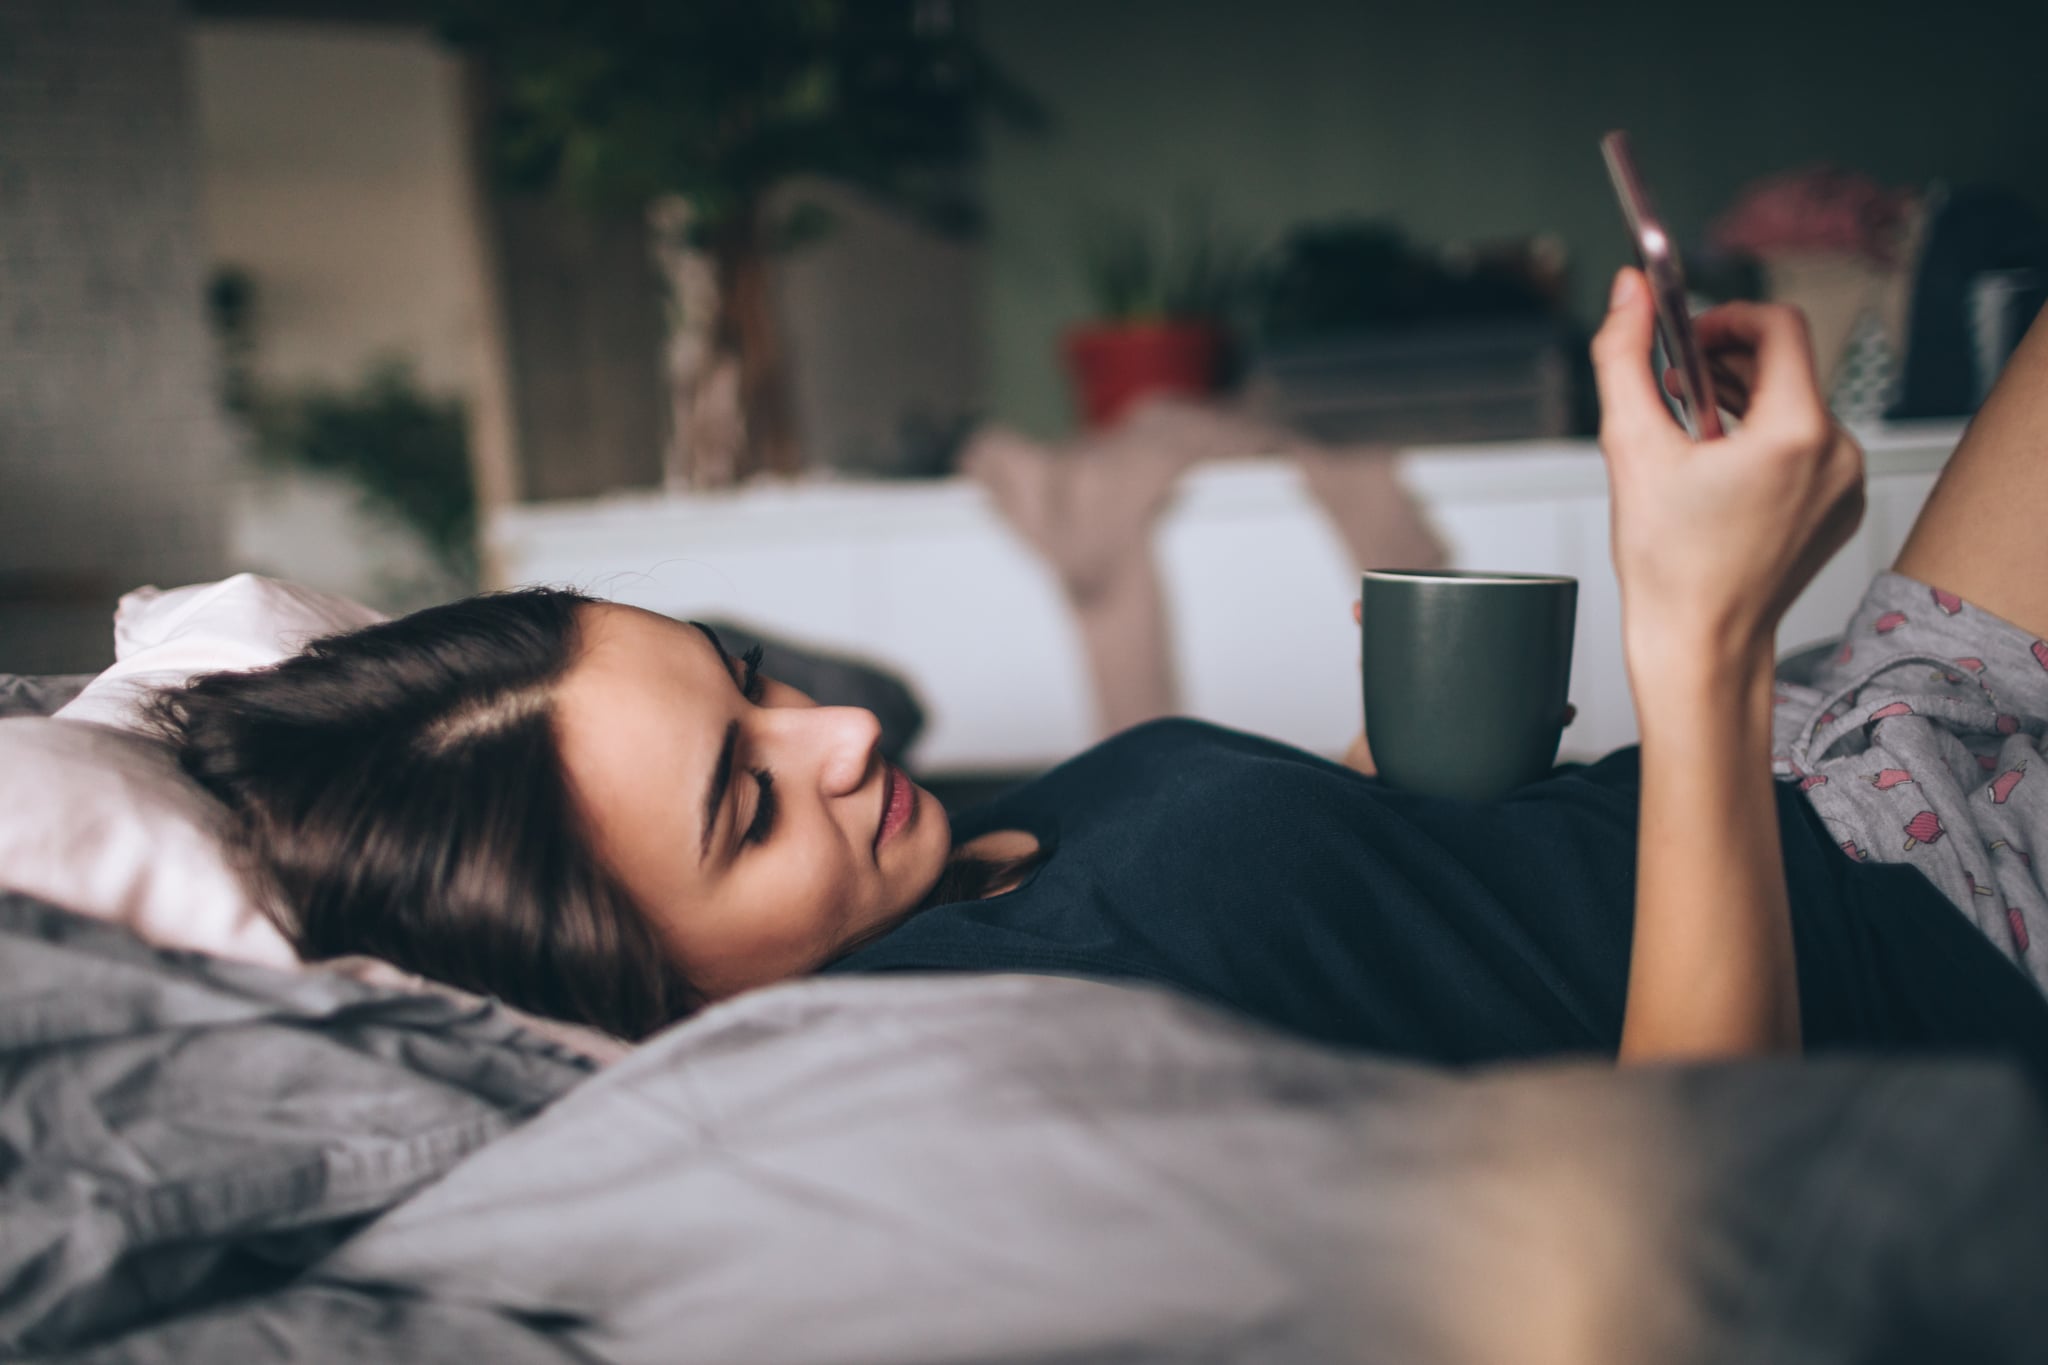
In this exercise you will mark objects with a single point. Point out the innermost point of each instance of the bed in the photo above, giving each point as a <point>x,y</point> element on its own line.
<point>207,1153</point>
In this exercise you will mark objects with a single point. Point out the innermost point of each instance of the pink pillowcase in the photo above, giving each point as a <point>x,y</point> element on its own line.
<point>102,821</point>
<point>163,638</point>
<point>97,817</point>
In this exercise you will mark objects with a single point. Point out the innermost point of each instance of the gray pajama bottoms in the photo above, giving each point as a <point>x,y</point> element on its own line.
<point>1918,742</point>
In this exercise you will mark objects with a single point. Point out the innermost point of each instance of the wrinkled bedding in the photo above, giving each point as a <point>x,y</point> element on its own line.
<point>176,1130</point>
<point>194,1158</point>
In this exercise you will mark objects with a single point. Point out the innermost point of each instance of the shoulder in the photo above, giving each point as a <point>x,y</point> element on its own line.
<point>1152,768</point>
<point>1181,735</point>
<point>1179,756</point>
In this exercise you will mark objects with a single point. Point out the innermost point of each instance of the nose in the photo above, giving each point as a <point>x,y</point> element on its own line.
<point>839,743</point>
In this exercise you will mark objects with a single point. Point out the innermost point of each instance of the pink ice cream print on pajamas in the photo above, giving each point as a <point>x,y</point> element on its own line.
<point>1924,828</point>
<point>1932,737</point>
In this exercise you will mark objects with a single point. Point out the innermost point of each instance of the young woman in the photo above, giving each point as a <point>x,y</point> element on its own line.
<point>598,813</point>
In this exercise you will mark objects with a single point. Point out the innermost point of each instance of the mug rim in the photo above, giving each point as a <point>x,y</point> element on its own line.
<point>1468,576</point>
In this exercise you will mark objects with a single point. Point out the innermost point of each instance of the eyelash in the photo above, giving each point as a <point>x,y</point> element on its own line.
<point>750,680</point>
<point>764,809</point>
<point>763,822</point>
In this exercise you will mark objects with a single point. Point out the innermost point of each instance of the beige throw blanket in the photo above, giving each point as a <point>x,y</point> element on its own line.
<point>1088,507</point>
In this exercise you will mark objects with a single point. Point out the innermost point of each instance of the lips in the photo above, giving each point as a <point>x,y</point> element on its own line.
<point>899,803</point>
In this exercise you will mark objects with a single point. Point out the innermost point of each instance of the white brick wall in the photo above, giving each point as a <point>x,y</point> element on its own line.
<point>113,457</point>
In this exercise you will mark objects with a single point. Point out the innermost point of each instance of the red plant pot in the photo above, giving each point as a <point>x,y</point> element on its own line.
<point>1113,366</point>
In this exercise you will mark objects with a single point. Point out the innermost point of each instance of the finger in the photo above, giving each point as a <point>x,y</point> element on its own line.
<point>1737,381</point>
<point>1734,362</point>
<point>1731,390</point>
<point>1357,613</point>
<point>1726,333</point>
<point>1768,346</point>
<point>1630,409</point>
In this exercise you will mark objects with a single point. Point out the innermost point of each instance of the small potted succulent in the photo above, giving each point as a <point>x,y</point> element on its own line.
<point>1160,309</point>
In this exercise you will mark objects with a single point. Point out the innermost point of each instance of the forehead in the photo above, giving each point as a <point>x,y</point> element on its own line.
<point>633,668</point>
<point>621,636</point>
<point>639,718</point>
<point>645,692</point>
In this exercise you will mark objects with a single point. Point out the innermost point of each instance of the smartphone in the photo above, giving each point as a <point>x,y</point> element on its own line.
<point>1659,257</point>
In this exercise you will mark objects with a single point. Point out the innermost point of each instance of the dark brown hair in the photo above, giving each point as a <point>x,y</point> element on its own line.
<point>399,792</point>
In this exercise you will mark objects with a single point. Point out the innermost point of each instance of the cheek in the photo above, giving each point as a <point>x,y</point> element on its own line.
<point>787,918</point>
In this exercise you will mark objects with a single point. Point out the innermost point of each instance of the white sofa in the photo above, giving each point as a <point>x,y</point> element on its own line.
<point>926,579</point>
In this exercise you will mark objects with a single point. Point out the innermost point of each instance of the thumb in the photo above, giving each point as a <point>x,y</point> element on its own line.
<point>1630,408</point>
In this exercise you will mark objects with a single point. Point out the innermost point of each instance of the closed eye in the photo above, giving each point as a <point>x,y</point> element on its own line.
<point>751,684</point>
<point>763,823</point>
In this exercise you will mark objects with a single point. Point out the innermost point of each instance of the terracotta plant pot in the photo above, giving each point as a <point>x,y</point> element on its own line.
<point>1114,365</point>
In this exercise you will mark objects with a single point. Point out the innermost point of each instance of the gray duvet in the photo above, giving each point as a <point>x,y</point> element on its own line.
<point>207,1163</point>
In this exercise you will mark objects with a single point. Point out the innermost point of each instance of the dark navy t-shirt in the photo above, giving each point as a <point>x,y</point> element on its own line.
<point>1294,890</point>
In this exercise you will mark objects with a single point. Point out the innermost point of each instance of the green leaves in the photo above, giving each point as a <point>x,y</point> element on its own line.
<point>405,451</point>
<point>1138,271</point>
<point>618,102</point>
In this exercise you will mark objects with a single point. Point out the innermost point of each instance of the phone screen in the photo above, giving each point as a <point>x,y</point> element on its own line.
<point>1658,255</point>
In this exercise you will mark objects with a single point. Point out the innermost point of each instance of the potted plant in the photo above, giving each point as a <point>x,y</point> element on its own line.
<point>403,450</point>
<point>717,104</point>
<point>1160,308</point>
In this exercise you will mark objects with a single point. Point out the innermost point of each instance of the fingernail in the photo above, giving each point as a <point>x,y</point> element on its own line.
<point>1624,290</point>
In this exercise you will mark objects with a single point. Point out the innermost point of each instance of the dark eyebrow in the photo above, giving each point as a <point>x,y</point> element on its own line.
<point>721,778</point>
<point>716,643</point>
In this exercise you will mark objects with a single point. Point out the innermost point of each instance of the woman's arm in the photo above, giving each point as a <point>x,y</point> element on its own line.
<point>1712,541</point>
<point>1711,971</point>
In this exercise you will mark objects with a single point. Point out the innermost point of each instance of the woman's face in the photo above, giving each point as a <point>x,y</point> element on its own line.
<point>762,834</point>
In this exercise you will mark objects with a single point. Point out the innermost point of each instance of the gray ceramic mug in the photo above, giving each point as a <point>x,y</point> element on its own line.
<point>1465,676</point>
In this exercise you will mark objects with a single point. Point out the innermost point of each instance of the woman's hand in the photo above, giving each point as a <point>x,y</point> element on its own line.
<point>1713,540</point>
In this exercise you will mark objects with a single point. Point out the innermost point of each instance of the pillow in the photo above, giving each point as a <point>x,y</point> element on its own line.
<point>104,822</point>
<point>98,818</point>
<point>163,638</point>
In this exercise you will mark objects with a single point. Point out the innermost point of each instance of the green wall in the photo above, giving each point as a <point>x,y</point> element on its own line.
<point>1464,120</point>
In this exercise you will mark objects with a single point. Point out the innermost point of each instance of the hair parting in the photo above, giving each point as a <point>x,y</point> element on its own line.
<point>398,791</point>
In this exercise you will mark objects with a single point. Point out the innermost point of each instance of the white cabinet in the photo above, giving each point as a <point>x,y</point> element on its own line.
<point>926,579</point>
